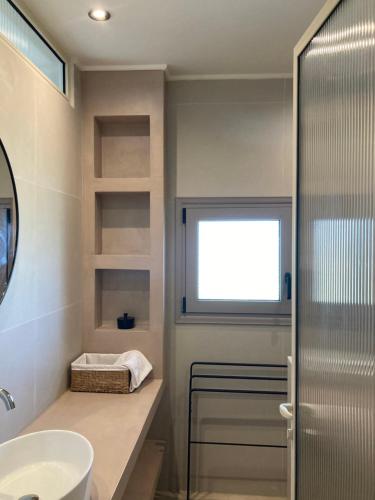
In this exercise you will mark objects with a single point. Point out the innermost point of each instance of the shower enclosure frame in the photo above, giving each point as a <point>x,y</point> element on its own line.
<point>326,11</point>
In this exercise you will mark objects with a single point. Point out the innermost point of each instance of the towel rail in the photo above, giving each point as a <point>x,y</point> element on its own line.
<point>209,376</point>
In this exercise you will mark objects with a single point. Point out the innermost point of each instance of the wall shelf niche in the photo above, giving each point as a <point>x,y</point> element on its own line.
<point>144,480</point>
<point>122,223</point>
<point>118,291</point>
<point>123,215</point>
<point>122,146</point>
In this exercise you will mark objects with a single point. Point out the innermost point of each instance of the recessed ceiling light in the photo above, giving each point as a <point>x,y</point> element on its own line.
<point>99,15</point>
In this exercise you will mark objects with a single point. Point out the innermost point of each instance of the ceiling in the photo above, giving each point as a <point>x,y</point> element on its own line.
<point>193,37</point>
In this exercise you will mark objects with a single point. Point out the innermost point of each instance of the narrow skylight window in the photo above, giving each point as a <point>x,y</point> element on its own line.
<point>16,28</point>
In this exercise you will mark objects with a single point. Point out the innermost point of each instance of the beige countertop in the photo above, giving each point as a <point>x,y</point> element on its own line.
<point>115,424</point>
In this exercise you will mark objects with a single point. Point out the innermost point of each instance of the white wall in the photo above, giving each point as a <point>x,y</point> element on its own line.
<point>225,138</point>
<point>40,315</point>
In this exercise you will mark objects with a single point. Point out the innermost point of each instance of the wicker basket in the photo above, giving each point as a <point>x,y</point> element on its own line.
<point>97,373</point>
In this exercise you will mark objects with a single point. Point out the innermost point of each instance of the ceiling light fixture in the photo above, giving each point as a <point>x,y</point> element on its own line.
<point>99,15</point>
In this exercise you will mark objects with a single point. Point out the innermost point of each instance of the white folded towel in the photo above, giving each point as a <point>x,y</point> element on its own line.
<point>137,364</point>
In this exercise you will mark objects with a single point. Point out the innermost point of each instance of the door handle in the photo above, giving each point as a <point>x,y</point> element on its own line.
<point>288,282</point>
<point>286,410</point>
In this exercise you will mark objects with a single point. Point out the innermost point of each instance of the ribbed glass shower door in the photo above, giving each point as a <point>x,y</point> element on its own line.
<point>335,259</point>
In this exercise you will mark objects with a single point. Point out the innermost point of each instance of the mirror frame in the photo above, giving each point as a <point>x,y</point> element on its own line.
<point>4,152</point>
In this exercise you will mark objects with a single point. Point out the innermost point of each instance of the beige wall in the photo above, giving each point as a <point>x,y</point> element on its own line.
<point>40,315</point>
<point>225,138</point>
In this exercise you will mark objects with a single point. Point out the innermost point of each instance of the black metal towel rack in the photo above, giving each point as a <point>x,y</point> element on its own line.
<point>193,389</point>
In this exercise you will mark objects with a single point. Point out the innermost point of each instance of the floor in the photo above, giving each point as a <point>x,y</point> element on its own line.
<point>224,496</point>
<point>218,496</point>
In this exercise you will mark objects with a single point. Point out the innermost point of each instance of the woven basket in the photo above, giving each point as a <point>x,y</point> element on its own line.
<point>94,373</point>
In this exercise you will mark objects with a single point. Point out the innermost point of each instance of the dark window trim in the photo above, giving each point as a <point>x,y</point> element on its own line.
<point>54,52</point>
<point>180,265</point>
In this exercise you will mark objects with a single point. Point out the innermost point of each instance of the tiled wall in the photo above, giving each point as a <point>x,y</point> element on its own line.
<point>40,315</point>
<point>225,138</point>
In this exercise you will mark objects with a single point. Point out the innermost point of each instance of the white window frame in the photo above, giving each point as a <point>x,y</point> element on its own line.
<point>189,309</point>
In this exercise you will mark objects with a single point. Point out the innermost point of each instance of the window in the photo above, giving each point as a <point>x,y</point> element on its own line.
<point>24,36</point>
<point>234,260</point>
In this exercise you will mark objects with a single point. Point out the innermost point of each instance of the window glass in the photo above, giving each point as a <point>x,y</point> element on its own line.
<point>19,31</point>
<point>239,260</point>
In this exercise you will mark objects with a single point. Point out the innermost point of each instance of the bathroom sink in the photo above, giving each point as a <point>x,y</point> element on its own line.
<point>47,465</point>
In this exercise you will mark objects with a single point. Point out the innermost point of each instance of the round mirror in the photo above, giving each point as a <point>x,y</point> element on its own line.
<point>8,221</point>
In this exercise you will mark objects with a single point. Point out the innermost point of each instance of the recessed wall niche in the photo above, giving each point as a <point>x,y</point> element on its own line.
<point>122,146</point>
<point>119,291</point>
<point>123,223</point>
<point>123,209</point>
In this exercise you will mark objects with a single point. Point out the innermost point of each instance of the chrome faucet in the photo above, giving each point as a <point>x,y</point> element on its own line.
<point>7,399</point>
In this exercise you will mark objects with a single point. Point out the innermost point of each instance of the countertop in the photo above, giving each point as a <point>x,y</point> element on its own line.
<point>115,424</point>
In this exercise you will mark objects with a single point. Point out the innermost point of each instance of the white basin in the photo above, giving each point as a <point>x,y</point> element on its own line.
<point>53,465</point>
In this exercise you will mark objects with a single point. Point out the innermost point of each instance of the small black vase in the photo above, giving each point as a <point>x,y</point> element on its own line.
<point>125,322</point>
